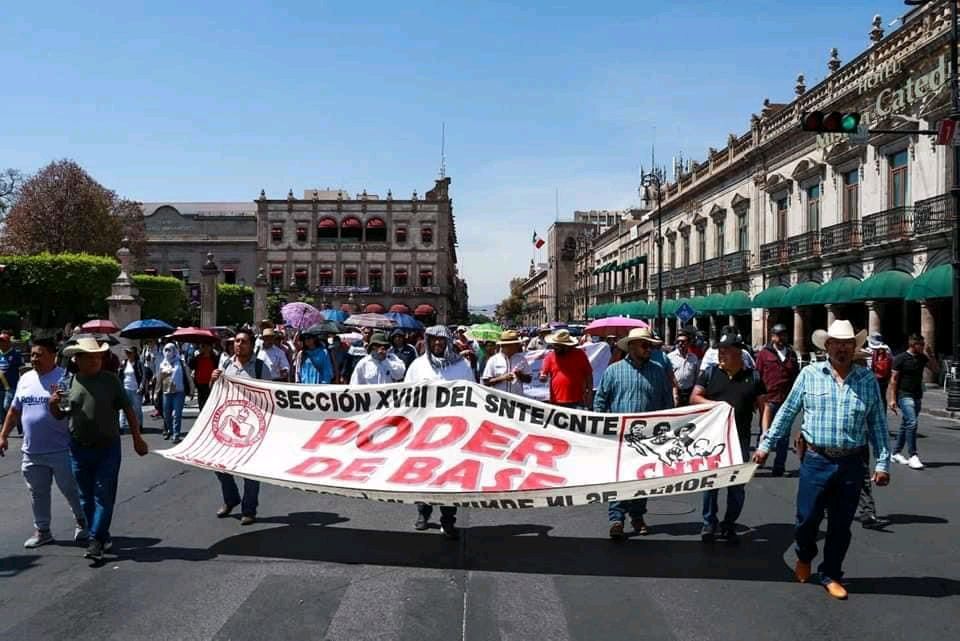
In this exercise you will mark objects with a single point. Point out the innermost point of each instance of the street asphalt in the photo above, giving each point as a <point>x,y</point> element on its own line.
<point>321,567</point>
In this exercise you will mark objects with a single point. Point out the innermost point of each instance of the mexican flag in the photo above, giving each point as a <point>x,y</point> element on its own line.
<point>537,241</point>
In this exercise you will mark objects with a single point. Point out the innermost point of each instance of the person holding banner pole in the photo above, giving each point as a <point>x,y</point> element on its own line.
<point>242,365</point>
<point>507,370</point>
<point>441,362</point>
<point>634,384</point>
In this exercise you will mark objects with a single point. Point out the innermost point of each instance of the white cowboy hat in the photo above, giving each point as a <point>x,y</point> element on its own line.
<point>85,345</point>
<point>639,334</point>
<point>841,330</point>
<point>561,337</point>
<point>510,337</point>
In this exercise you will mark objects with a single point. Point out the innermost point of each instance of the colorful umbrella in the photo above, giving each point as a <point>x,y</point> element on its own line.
<point>616,325</point>
<point>335,315</point>
<point>194,335</point>
<point>300,315</point>
<point>326,327</point>
<point>376,321</point>
<point>405,321</point>
<point>100,338</point>
<point>100,326</point>
<point>146,328</point>
<point>485,332</point>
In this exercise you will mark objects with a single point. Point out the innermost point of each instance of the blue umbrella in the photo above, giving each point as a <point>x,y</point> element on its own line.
<point>334,315</point>
<point>404,321</point>
<point>146,329</point>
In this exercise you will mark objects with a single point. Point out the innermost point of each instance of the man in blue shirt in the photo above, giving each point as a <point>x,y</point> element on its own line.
<point>636,383</point>
<point>842,412</point>
<point>10,363</point>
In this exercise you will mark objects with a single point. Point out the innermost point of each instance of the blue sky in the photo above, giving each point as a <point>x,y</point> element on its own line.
<point>214,101</point>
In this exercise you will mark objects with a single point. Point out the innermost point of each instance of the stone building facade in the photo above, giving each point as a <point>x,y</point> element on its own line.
<point>534,293</point>
<point>367,253</point>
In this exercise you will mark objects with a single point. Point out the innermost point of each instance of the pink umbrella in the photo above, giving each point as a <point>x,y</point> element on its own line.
<point>100,326</point>
<point>194,335</point>
<point>616,325</point>
<point>300,315</point>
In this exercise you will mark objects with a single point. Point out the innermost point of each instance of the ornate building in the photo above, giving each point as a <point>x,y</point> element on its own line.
<point>366,252</point>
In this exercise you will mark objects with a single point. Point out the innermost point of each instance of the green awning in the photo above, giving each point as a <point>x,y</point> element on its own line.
<point>735,302</point>
<point>770,298</point>
<point>800,294</point>
<point>837,291</point>
<point>616,309</point>
<point>697,304</point>
<point>711,304</point>
<point>671,305</point>
<point>933,283</point>
<point>636,308</point>
<point>891,284</point>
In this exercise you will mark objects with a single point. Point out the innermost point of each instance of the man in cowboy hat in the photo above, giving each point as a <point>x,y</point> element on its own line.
<point>634,384</point>
<point>95,398</point>
<point>842,412</point>
<point>778,366</point>
<point>379,366</point>
<point>273,357</point>
<point>569,371</point>
<point>507,370</point>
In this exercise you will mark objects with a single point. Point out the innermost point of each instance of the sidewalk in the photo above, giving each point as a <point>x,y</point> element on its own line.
<point>935,403</point>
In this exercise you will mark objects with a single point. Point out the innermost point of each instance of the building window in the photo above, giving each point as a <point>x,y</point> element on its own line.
<point>781,206</point>
<point>426,278</point>
<point>350,277</point>
<point>851,195</point>
<point>400,235</point>
<point>426,235</point>
<point>229,275</point>
<point>150,271</point>
<point>721,233</point>
<point>743,230</point>
<point>301,233</point>
<point>685,255</point>
<point>897,191</point>
<point>376,231</point>
<point>326,229</point>
<point>375,278</point>
<point>400,278</point>
<point>276,277</point>
<point>673,253</point>
<point>351,229</point>
<point>325,277</point>
<point>813,207</point>
<point>300,276</point>
<point>276,232</point>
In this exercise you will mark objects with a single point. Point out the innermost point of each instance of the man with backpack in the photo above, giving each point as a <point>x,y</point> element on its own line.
<point>779,367</point>
<point>742,388</point>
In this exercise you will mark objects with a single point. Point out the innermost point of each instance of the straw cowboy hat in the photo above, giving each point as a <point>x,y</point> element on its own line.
<point>561,337</point>
<point>840,330</point>
<point>85,345</point>
<point>638,334</point>
<point>510,337</point>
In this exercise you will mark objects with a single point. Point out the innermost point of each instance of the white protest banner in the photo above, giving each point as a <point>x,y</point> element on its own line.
<point>597,353</point>
<point>457,443</point>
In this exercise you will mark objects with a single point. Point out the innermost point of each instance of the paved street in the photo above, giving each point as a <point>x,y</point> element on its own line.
<point>319,567</point>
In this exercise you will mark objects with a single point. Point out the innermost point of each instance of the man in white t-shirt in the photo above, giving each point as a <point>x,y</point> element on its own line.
<point>508,369</point>
<point>273,357</point>
<point>378,367</point>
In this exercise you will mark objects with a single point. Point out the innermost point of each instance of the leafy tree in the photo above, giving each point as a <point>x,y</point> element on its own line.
<point>476,319</point>
<point>63,209</point>
<point>10,181</point>
<point>511,308</point>
<point>164,298</point>
<point>232,305</point>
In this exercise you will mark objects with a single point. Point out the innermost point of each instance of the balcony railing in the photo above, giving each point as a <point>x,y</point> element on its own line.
<point>713,268</point>
<point>934,215</point>
<point>773,253</point>
<point>888,226</point>
<point>736,263</point>
<point>840,238</point>
<point>806,245</point>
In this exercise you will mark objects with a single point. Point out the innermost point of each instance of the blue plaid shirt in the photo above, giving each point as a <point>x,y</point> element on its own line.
<point>835,416</point>
<point>626,387</point>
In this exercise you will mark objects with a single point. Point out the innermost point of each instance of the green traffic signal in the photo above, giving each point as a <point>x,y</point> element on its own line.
<point>830,122</point>
<point>850,122</point>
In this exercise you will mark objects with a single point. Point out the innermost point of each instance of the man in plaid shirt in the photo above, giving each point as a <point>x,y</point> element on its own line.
<point>842,412</point>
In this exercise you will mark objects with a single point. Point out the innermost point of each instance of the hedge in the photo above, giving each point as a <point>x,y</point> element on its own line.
<point>164,298</point>
<point>230,305</point>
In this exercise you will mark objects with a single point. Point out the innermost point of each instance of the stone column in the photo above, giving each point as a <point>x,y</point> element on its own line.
<point>259,297</point>
<point>208,292</point>
<point>666,330</point>
<point>929,333</point>
<point>124,300</point>
<point>831,315</point>
<point>799,331</point>
<point>713,327</point>
<point>873,317</point>
<point>731,321</point>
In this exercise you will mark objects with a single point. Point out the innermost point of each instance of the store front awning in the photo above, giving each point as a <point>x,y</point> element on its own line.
<point>670,306</point>
<point>735,302</point>
<point>800,295</point>
<point>637,309</point>
<point>837,291</point>
<point>891,284</point>
<point>374,308</point>
<point>770,298</point>
<point>424,310</point>
<point>710,304</point>
<point>933,283</point>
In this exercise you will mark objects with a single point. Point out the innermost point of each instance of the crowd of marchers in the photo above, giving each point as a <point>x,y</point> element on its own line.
<point>77,398</point>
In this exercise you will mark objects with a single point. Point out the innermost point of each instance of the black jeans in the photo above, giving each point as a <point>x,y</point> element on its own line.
<point>203,393</point>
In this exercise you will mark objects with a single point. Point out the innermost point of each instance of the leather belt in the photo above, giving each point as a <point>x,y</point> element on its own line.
<point>836,452</point>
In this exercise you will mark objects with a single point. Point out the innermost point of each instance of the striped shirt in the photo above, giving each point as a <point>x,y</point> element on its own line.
<point>835,416</point>
<point>627,387</point>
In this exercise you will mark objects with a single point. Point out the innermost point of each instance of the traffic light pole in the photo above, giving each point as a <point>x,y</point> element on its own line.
<point>953,395</point>
<point>655,179</point>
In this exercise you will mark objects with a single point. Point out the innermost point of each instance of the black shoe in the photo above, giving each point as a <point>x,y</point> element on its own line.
<point>730,534</point>
<point>177,439</point>
<point>450,532</point>
<point>708,534</point>
<point>874,523</point>
<point>247,519</point>
<point>778,472</point>
<point>640,526</point>
<point>166,436</point>
<point>616,531</point>
<point>422,523</point>
<point>94,550</point>
<point>225,511</point>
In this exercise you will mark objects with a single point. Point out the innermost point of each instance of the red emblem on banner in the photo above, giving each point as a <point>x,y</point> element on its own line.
<point>239,424</point>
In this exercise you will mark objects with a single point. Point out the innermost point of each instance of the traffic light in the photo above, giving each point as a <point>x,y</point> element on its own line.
<point>830,122</point>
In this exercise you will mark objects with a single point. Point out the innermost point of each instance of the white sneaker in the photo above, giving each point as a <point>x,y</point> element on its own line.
<point>915,462</point>
<point>899,458</point>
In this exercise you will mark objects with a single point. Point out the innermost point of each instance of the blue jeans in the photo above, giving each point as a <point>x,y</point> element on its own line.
<point>39,473</point>
<point>831,486</point>
<point>782,446</point>
<point>231,495</point>
<point>173,411</point>
<point>96,470</point>
<point>907,436</point>
<point>617,510</point>
<point>137,405</point>
<point>6,400</point>
<point>736,496</point>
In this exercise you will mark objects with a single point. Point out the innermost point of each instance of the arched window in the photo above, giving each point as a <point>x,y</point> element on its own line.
<point>326,229</point>
<point>276,277</point>
<point>400,277</point>
<point>350,277</point>
<point>426,235</point>
<point>276,233</point>
<point>400,235</point>
<point>376,231</point>
<point>351,229</point>
<point>325,277</point>
<point>426,277</point>
<point>375,279</point>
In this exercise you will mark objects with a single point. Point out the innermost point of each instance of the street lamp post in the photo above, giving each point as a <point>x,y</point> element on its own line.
<point>654,178</point>
<point>953,390</point>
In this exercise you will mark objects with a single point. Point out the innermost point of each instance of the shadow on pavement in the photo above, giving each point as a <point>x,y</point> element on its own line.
<point>17,563</point>
<point>934,466</point>
<point>907,519</point>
